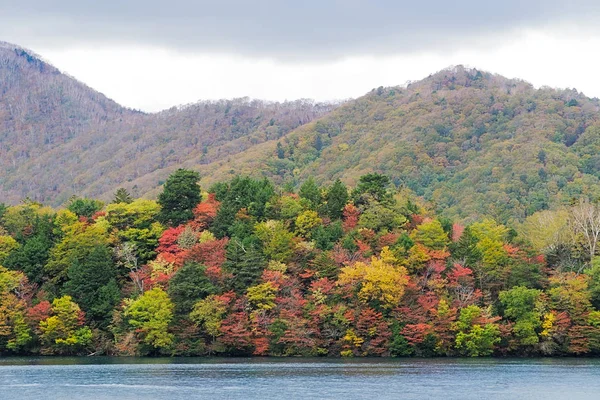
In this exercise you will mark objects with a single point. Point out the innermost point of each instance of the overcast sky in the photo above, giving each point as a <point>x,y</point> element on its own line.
<point>151,55</point>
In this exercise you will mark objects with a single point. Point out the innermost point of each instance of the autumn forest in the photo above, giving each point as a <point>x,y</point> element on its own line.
<point>245,267</point>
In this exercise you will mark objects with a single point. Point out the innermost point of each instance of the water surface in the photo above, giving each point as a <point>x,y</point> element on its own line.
<point>249,379</point>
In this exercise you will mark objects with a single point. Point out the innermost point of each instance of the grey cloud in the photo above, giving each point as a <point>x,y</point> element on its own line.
<point>301,29</point>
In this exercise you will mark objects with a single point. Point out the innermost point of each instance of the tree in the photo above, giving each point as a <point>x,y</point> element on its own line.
<point>431,235</point>
<point>244,262</point>
<point>569,293</point>
<point>209,313</point>
<point>593,272</point>
<point>585,221</point>
<point>380,282</point>
<point>83,207</point>
<point>15,333</point>
<point>189,285</point>
<point>373,185</point>
<point>180,195</point>
<point>378,217</point>
<point>523,307</point>
<point>262,297</point>
<point>138,214</point>
<point>92,283</point>
<point>280,151</point>
<point>306,222</point>
<point>78,242</point>
<point>276,240</point>
<point>31,257</point>
<point>546,230</point>
<point>477,332</point>
<point>335,200</point>
<point>242,193</point>
<point>64,331</point>
<point>311,192</point>
<point>7,245</point>
<point>151,315</point>
<point>122,196</point>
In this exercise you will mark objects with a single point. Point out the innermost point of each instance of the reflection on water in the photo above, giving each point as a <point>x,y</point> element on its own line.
<point>268,378</point>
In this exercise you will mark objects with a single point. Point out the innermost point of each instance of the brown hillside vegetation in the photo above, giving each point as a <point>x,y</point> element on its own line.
<point>58,137</point>
<point>470,142</point>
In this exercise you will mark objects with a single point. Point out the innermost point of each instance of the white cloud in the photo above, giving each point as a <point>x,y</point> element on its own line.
<point>153,78</point>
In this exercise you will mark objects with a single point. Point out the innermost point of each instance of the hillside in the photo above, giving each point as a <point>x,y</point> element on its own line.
<point>471,142</point>
<point>58,137</point>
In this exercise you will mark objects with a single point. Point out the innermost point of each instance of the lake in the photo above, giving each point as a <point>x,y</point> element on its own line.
<point>259,378</point>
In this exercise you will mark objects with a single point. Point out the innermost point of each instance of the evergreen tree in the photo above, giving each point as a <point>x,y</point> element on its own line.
<point>373,185</point>
<point>280,151</point>
<point>122,196</point>
<point>83,207</point>
<point>188,286</point>
<point>181,193</point>
<point>241,192</point>
<point>336,199</point>
<point>245,262</point>
<point>31,258</point>
<point>92,284</point>
<point>311,192</point>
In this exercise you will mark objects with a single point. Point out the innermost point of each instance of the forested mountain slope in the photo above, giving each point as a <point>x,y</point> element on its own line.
<point>471,142</point>
<point>58,137</point>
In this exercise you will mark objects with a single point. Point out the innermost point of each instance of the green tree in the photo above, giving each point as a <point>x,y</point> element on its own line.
<point>241,193</point>
<point>244,262</point>
<point>151,315</point>
<point>477,334</point>
<point>15,333</point>
<point>208,313</point>
<point>276,239</point>
<point>431,235</point>
<point>78,242</point>
<point>64,332</point>
<point>92,283</point>
<point>83,207</point>
<point>31,257</point>
<point>336,199</point>
<point>523,307</point>
<point>262,297</point>
<point>593,272</point>
<point>311,192</point>
<point>189,285</point>
<point>181,193</point>
<point>377,216</point>
<point>122,196</point>
<point>7,245</point>
<point>371,185</point>
<point>306,222</point>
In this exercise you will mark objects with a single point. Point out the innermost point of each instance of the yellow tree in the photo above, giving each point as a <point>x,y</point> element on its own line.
<point>380,282</point>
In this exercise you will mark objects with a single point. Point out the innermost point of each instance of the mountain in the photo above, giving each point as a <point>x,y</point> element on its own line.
<point>60,138</point>
<point>471,142</point>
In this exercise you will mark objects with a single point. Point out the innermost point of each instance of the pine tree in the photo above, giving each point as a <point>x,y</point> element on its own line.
<point>311,192</point>
<point>181,193</point>
<point>122,196</point>
<point>92,284</point>
<point>336,200</point>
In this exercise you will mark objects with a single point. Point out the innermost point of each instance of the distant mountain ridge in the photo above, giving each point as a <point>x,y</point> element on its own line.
<point>471,142</point>
<point>58,137</point>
